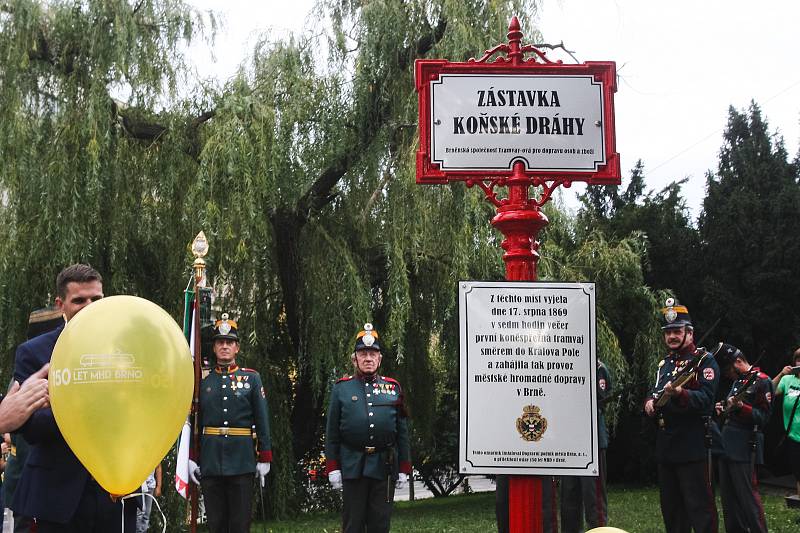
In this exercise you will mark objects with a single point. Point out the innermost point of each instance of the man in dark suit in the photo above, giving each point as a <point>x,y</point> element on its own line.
<point>55,488</point>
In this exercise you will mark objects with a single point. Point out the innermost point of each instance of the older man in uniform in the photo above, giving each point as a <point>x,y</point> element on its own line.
<point>233,412</point>
<point>682,409</point>
<point>366,441</point>
<point>746,411</point>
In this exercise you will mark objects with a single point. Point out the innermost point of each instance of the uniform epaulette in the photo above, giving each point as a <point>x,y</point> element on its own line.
<point>391,380</point>
<point>344,378</point>
<point>249,370</point>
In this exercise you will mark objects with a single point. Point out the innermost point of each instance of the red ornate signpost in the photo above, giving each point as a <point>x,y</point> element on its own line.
<point>517,123</point>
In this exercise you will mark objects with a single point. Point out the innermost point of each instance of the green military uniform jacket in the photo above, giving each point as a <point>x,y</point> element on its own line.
<point>232,400</point>
<point>366,421</point>
<point>16,460</point>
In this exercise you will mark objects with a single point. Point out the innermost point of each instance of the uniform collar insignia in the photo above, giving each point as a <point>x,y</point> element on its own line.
<point>226,369</point>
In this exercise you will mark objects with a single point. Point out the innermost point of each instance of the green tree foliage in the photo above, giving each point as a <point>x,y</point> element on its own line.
<point>629,339</point>
<point>659,226</point>
<point>664,223</point>
<point>300,170</point>
<point>749,227</point>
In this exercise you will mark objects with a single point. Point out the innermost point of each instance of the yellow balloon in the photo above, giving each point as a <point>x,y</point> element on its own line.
<point>121,381</point>
<point>606,529</point>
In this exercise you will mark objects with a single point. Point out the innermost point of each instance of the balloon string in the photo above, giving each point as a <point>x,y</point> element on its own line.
<point>133,494</point>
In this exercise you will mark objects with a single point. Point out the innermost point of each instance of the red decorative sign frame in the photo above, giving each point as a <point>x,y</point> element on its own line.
<point>538,66</point>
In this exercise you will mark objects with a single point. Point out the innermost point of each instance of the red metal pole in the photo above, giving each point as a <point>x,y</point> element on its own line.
<point>520,220</point>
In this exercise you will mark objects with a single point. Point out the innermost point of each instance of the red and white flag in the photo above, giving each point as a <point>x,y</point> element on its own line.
<point>182,465</point>
<point>185,440</point>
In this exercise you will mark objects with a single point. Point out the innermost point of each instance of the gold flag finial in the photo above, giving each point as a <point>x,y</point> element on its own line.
<point>199,250</point>
<point>200,245</point>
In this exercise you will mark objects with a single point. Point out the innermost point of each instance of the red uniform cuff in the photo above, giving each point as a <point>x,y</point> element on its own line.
<point>331,465</point>
<point>265,456</point>
<point>746,411</point>
<point>405,467</point>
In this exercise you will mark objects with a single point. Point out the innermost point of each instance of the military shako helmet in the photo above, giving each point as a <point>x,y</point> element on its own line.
<point>674,315</point>
<point>367,339</point>
<point>726,354</point>
<point>226,328</point>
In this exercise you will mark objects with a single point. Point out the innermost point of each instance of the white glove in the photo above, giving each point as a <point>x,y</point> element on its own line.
<point>335,478</point>
<point>262,469</point>
<point>194,472</point>
<point>402,479</point>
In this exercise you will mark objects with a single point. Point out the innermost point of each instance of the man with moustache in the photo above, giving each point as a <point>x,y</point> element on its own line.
<point>366,440</point>
<point>687,501</point>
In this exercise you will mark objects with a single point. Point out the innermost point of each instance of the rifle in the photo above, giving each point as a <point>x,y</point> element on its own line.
<point>685,373</point>
<point>752,378</point>
<point>680,376</point>
<point>750,381</point>
<point>709,330</point>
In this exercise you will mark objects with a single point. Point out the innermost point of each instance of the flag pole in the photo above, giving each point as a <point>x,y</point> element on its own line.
<point>199,250</point>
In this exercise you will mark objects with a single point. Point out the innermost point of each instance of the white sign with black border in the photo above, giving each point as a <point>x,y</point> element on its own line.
<point>528,378</point>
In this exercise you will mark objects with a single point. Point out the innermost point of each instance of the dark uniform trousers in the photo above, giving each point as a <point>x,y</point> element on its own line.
<point>738,484</point>
<point>96,513</point>
<point>687,503</point>
<point>229,502</point>
<point>364,502</point>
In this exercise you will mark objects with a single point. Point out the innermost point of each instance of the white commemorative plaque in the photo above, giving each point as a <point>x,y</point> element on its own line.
<point>528,378</point>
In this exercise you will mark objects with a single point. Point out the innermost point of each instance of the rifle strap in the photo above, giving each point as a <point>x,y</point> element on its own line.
<point>791,417</point>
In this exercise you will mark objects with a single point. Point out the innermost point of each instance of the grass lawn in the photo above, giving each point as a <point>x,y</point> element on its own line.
<point>634,509</point>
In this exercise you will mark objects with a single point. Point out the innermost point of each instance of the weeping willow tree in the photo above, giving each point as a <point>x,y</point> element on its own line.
<point>300,171</point>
